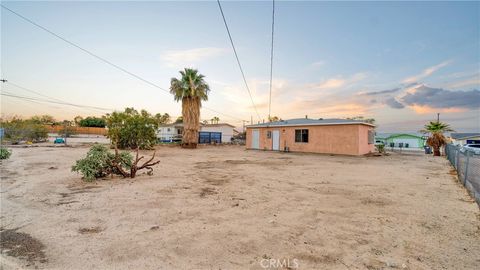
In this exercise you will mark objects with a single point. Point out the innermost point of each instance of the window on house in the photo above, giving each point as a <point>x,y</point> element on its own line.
<point>269,134</point>
<point>168,129</point>
<point>371,137</point>
<point>301,135</point>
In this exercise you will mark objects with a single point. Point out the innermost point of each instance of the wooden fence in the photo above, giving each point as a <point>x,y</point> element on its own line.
<point>79,130</point>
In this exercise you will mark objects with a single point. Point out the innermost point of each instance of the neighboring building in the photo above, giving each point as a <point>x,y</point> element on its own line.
<point>408,141</point>
<point>465,138</point>
<point>208,133</point>
<point>170,132</point>
<point>212,133</point>
<point>332,136</point>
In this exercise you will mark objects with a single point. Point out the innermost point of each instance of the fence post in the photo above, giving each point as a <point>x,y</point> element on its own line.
<point>457,154</point>
<point>466,167</point>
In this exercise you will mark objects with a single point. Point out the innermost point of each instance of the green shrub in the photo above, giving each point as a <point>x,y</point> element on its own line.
<point>380,148</point>
<point>99,163</point>
<point>4,153</point>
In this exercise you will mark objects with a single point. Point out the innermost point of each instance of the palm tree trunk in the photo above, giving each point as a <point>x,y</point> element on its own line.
<point>191,121</point>
<point>436,151</point>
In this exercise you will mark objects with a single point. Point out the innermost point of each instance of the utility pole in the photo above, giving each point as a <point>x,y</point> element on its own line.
<point>243,130</point>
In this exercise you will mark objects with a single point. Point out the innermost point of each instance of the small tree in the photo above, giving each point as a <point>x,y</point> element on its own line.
<point>273,119</point>
<point>77,120</point>
<point>134,130</point>
<point>179,120</point>
<point>162,119</point>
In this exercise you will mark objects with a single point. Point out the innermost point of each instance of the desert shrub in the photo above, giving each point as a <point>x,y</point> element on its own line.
<point>100,162</point>
<point>17,130</point>
<point>132,129</point>
<point>4,153</point>
<point>380,148</point>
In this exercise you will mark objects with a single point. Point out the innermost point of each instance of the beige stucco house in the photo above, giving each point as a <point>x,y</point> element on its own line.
<point>329,136</point>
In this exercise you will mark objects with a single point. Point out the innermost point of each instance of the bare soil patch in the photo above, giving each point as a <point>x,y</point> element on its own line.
<point>227,208</point>
<point>22,245</point>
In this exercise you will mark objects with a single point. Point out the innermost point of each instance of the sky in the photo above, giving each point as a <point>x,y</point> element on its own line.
<point>398,62</point>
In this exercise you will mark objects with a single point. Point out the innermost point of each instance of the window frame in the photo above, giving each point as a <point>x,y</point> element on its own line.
<point>304,133</point>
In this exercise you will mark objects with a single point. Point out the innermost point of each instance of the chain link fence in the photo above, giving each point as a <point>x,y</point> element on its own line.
<point>467,163</point>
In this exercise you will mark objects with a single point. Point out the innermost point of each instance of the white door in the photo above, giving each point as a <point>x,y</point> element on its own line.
<point>256,139</point>
<point>276,140</point>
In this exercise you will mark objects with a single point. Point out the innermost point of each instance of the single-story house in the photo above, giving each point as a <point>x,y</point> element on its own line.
<point>170,132</point>
<point>465,138</point>
<point>208,133</point>
<point>219,133</point>
<point>332,136</point>
<point>408,141</point>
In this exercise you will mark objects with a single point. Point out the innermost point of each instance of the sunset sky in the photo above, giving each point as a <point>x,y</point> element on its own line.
<point>397,62</point>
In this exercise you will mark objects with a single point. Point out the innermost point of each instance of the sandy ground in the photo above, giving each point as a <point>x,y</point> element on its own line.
<point>226,208</point>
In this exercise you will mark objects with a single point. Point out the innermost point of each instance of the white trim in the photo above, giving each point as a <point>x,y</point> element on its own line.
<point>311,124</point>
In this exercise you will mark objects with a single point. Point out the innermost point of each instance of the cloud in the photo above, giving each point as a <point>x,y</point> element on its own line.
<point>190,57</point>
<point>393,103</point>
<point>467,82</point>
<point>339,81</point>
<point>331,83</point>
<point>426,72</point>
<point>425,96</point>
<point>389,91</point>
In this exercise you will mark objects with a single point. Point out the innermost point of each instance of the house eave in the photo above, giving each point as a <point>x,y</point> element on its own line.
<point>310,124</point>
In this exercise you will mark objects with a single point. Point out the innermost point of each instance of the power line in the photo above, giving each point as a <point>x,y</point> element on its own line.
<point>35,92</point>
<point>54,102</point>
<point>238,60</point>
<point>105,60</point>
<point>271,60</point>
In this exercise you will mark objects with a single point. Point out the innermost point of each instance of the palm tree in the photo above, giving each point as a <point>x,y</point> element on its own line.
<point>436,139</point>
<point>191,89</point>
<point>215,120</point>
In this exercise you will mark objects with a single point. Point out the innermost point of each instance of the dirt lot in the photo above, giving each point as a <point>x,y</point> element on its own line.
<point>227,208</point>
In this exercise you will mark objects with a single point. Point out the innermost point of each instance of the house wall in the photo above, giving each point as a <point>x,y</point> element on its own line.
<point>332,139</point>
<point>405,139</point>
<point>167,132</point>
<point>464,141</point>
<point>227,131</point>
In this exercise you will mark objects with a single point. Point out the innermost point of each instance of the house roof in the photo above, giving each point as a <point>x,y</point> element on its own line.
<point>390,135</point>
<point>459,136</point>
<point>311,122</point>
<point>180,125</point>
<point>217,125</point>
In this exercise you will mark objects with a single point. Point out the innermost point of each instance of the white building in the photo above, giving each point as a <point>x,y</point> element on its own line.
<point>226,132</point>
<point>208,133</point>
<point>465,138</point>
<point>170,132</point>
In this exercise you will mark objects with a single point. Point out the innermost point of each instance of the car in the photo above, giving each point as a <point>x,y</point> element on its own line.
<point>471,147</point>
